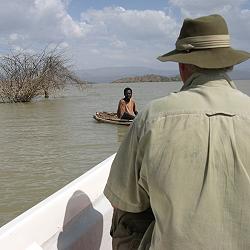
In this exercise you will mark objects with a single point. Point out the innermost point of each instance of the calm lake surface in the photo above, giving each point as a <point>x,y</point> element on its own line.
<point>48,143</point>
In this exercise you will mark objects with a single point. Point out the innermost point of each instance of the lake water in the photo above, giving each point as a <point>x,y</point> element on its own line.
<point>48,143</point>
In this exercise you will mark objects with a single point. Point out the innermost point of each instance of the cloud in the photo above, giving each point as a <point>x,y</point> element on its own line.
<point>112,36</point>
<point>193,8</point>
<point>117,34</point>
<point>129,24</point>
<point>122,35</point>
<point>38,21</point>
<point>235,12</point>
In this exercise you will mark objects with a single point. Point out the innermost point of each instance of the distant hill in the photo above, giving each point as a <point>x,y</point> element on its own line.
<point>110,74</point>
<point>148,78</point>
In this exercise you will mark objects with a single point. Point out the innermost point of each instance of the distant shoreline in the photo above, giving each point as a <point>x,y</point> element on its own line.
<point>148,78</point>
<point>112,74</point>
<point>142,80</point>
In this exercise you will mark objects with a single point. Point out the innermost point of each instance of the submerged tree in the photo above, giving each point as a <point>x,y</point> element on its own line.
<point>24,76</point>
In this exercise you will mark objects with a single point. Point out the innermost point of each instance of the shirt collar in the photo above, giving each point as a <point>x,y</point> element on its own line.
<point>208,78</point>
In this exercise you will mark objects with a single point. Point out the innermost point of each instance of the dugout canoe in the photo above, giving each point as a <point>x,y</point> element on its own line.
<point>78,216</point>
<point>111,118</point>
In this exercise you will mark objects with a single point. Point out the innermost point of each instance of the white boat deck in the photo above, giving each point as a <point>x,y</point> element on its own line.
<point>77,216</point>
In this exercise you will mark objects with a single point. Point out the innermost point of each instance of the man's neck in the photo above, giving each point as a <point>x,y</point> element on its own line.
<point>126,99</point>
<point>204,76</point>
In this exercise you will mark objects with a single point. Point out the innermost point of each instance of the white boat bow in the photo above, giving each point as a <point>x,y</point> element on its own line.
<point>78,216</point>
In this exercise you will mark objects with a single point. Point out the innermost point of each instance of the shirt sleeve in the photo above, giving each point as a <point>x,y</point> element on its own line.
<point>123,188</point>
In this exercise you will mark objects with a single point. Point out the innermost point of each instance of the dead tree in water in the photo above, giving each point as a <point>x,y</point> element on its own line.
<point>24,76</point>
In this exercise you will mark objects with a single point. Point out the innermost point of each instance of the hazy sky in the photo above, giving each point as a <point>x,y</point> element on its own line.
<point>112,33</point>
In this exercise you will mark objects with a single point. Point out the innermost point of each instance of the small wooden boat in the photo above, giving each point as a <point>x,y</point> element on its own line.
<point>111,118</point>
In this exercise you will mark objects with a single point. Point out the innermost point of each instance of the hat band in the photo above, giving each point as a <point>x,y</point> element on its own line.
<point>203,42</point>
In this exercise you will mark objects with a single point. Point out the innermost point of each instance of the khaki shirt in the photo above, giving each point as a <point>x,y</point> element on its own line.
<point>188,157</point>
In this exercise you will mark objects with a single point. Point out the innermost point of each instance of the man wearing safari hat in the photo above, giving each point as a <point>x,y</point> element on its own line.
<point>181,177</point>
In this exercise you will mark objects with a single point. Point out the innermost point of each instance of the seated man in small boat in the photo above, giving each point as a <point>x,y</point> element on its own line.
<point>126,107</point>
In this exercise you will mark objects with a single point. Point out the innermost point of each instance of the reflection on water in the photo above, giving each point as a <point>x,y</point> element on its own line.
<point>48,143</point>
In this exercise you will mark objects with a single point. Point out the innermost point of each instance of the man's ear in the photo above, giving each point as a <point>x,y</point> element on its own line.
<point>182,66</point>
<point>182,69</point>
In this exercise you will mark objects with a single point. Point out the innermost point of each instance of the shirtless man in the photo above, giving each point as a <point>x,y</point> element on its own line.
<point>126,107</point>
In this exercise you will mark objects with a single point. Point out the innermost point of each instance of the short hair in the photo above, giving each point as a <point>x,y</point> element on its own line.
<point>126,89</point>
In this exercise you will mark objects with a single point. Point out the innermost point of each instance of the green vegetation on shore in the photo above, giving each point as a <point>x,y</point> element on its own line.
<point>148,78</point>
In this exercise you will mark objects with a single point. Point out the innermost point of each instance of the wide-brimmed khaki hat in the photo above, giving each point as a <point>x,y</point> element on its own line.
<point>205,42</point>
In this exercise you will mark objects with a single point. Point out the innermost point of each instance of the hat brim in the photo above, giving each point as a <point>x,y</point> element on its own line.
<point>207,58</point>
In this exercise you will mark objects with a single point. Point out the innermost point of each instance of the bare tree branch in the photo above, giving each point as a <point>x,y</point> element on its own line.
<point>24,76</point>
